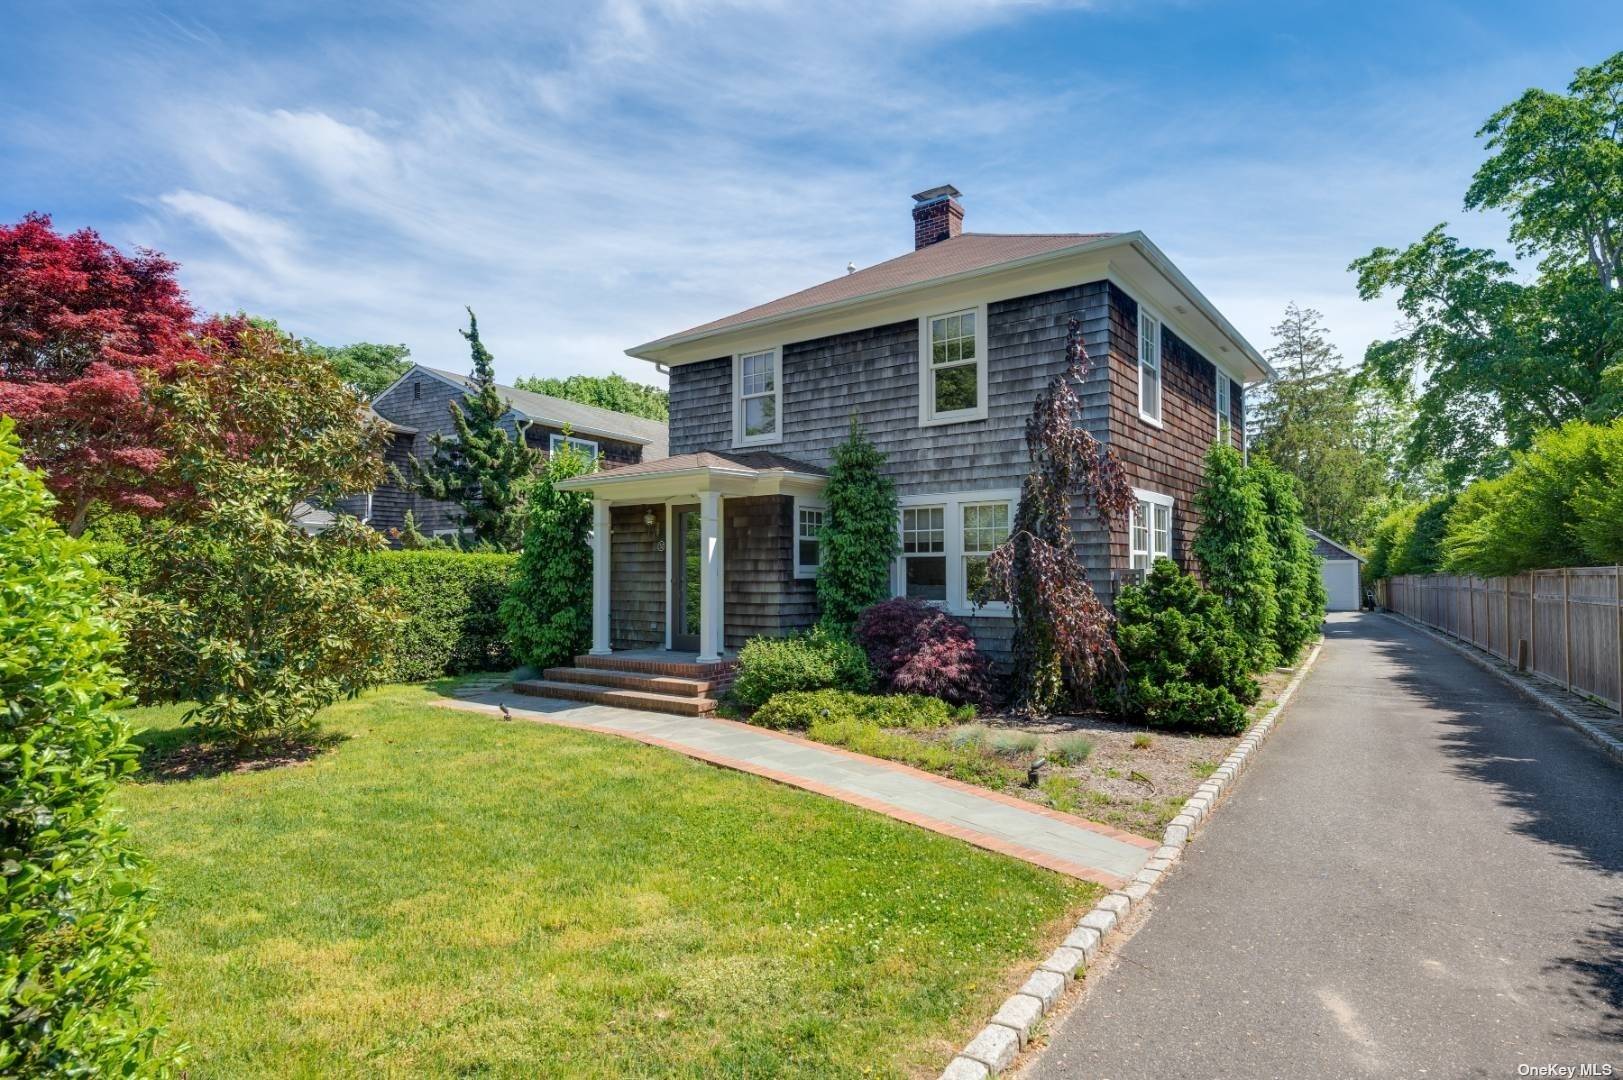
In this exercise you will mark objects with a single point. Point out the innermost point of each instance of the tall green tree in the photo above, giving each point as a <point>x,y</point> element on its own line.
<point>859,532</point>
<point>1310,422</point>
<point>74,964</point>
<point>366,366</point>
<point>486,468</point>
<point>1231,546</point>
<point>548,609</point>
<point>613,391</point>
<point>1500,359</point>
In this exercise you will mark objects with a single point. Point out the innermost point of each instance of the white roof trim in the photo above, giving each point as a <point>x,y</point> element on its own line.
<point>1135,239</point>
<point>1317,535</point>
<point>660,486</point>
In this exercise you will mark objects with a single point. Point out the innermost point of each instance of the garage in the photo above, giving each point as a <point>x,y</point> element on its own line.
<point>1339,567</point>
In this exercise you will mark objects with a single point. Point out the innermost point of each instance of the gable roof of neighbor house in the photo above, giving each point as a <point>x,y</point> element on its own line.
<point>1324,541</point>
<point>960,258</point>
<point>652,435</point>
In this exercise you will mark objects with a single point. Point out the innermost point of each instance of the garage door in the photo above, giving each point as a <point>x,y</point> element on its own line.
<point>1341,583</point>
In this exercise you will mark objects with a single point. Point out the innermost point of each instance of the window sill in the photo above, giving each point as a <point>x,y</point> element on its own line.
<point>745,444</point>
<point>803,573</point>
<point>953,418</point>
<point>1151,420</point>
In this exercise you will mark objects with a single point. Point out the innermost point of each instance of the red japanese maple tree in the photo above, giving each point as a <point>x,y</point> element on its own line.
<point>80,323</point>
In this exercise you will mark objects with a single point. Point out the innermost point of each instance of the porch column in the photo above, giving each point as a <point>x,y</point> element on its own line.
<point>600,577</point>
<point>710,633</point>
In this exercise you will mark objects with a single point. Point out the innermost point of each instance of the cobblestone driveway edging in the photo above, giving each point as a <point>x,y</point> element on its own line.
<point>997,1044</point>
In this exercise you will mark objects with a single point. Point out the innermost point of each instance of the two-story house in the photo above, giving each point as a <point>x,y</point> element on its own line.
<point>416,407</point>
<point>938,354</point>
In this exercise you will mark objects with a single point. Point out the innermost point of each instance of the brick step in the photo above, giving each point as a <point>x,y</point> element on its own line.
<point>625,699</point>
<point>680,669</point>
<point>634,680</point>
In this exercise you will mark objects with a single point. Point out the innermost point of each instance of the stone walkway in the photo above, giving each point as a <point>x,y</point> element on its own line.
<point>997,822</point>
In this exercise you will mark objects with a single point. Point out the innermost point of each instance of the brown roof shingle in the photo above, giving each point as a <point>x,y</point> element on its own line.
<point>960,254</point>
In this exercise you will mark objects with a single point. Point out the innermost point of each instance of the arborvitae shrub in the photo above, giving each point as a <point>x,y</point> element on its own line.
<point>859,533</point>
<point>1232,547</point>
<point>548,612</point>
<point>1186,664</point>
<point>1298,583</point>
<point>74,964</point>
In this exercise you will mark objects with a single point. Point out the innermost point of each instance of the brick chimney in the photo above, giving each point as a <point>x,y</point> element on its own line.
<point>937,216</point>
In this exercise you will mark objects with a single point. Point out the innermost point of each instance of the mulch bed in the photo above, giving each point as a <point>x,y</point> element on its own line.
<point>1135,778</point>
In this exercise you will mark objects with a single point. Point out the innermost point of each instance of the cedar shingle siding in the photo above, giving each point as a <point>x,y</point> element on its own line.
<point>873,374</point>
<point>1170,459</point>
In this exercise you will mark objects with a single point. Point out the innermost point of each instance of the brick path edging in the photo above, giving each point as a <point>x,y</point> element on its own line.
<point>995,1046</point>
<point>1608,743</point>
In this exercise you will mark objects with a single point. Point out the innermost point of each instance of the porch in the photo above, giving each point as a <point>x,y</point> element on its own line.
<point>695,554</point>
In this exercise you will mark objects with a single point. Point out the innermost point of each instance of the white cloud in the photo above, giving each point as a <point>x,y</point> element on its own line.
<point>591,178</point>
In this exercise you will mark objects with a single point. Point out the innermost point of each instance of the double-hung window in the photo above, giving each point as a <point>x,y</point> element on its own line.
<point>586,447</point>
<point>756,397</point>
<point>924,552</point>
<point>946,541</point>
<point>952,367</point>
<point>1225,424</point>
<point>1149,533</point>
<point>808,539</point>
<point>986,525</point>
<point>1149,366</point>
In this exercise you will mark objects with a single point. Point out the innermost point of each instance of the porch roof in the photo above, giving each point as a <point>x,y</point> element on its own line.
<point>733,473</point>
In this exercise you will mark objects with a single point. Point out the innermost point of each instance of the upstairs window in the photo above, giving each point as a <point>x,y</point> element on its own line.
<point>924,552</point>
<point>1149,366</point>
<point>1225,424</point>
<point>756,392</point>
<point>1149,533</point>
<point>808,539</point>
<point>952,369</point>
<point>585,446</point>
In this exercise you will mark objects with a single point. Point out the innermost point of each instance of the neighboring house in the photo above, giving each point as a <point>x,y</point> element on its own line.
<point>1339,567</point>
<point>417,406</point>
<point>939,354</point>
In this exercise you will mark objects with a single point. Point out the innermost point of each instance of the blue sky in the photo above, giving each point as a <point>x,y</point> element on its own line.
<point>590,176</point>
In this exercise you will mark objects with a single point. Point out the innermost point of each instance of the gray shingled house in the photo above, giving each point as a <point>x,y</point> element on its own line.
<point>416,406</point>
<point>939,354</point>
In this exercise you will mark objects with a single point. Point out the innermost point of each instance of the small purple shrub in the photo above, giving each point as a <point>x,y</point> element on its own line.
<point>915,648</point>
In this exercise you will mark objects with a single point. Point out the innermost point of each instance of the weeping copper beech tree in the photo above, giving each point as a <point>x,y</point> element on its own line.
<point>1062,632</point>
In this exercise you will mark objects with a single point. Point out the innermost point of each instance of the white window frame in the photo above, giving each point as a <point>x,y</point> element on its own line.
<point>952,505</point>
<point>776,434</point>
<point>802,571</point>
<point>1152,500</point>
<point>928,417</point>
<point>1225,419</point>
<point>587,445</point>
<point>945,554</point>
<point>1150,315</point>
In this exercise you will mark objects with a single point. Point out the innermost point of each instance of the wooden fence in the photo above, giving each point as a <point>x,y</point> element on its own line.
<point>1564,625</point>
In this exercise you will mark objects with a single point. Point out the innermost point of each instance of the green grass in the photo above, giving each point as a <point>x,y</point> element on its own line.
<point>970,764</point>
<point>442,893</point>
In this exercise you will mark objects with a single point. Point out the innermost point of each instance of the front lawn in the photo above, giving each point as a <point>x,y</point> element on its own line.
<point>444,893</point>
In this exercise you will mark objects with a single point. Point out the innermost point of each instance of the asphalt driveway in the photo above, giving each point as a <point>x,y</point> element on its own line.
<point>1422,875</point>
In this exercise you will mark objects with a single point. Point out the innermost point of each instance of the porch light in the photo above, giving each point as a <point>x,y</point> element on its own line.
<point>648,518</point>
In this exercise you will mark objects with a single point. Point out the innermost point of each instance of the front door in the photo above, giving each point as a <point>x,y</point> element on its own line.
<point>684,603</point>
